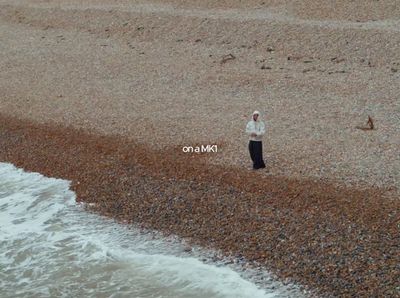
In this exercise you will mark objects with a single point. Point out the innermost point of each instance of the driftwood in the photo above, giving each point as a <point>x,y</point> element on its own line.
<point>227,58</point>
<point>370,124</point>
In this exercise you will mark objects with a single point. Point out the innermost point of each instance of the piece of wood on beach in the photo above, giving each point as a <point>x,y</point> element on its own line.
<point>370,125</point>
<point>227,58</point>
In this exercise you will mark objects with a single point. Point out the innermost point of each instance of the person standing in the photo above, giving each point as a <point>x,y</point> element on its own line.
<point>256,129</point>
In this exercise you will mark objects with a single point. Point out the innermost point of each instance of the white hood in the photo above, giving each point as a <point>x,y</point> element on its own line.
<point>258,113</point>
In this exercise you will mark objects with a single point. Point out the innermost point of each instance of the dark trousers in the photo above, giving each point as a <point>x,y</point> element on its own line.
<point>255,148</point>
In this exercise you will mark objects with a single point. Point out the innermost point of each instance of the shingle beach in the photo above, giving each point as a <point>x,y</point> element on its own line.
<point>107,93</point>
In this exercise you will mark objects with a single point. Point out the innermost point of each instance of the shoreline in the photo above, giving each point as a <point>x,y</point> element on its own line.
<point>101,248</point>
<point>336,240</point>
<point>250,271</point>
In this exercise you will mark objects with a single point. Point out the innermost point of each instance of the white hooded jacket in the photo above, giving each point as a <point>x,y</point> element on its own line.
<point>257,127</point>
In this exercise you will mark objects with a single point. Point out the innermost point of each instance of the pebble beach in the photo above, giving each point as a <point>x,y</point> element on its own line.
<point>107,93</point>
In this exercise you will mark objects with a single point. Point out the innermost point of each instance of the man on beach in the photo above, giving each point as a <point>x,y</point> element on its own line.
<point>255,129</point>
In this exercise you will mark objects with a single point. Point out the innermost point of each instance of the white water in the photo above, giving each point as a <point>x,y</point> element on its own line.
<point>51,247</point>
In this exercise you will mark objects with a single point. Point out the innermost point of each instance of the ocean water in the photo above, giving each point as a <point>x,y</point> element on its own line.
<point>51,247</point>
